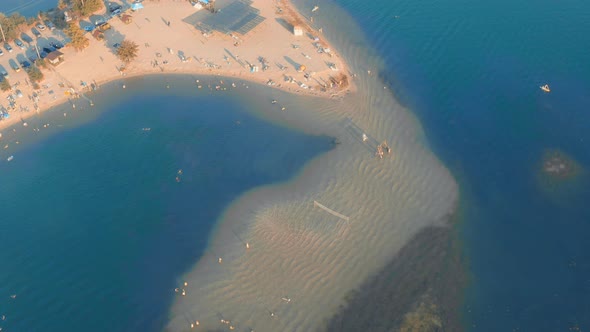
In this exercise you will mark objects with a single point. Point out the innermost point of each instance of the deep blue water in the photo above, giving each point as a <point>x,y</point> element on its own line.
<point>95,229</point>
<point>26,7</point>
<point>471,72</point>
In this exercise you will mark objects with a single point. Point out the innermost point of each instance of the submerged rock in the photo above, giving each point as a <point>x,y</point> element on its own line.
<point>424,319</point>
<point>558,165</point>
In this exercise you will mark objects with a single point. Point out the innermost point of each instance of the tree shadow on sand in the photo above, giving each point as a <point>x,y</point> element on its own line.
<point>112,37</point>
<point>285,24</point>
<point>292,62</point>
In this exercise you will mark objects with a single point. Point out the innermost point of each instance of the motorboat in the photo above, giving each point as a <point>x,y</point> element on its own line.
<point>10,158</point>
<point>545,88</point>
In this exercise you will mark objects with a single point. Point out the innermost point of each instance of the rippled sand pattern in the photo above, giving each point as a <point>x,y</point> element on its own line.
<point>302,260</point>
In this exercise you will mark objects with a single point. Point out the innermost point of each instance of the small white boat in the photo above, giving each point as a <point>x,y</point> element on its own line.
<point>10,158</point>
<point>545,88</point>
<point>365,137</point>
<point>315,8</point>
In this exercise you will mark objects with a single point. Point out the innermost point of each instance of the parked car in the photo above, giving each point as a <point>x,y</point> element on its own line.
<point>56,45</point>
<point>48,50</point>
<point>8,47</point>
<point>43,54</point>
<point>26,38</point>
<point>25,64</point>
<point>113,8</point>
<point>19,43</point>
<point>4,73</point>
<point>1,53</point>
<point>40,26</point>
<point>50,25</point>
<point>14,66</point>
<point>33,59</point>
<point>36,32</point>
<point>116,45</point>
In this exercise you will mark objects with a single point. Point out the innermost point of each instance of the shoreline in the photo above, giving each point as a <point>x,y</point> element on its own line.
<point>301,261</point>
<point>98,64</point>
<point>295,250</point>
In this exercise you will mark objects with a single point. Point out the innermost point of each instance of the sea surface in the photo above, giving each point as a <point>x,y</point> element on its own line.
<point>100,216</point>
<point>27,8</point>
<point>471,72</point>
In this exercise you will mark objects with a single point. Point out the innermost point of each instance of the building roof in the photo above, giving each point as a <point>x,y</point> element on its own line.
<point>52,56</point>
<point>98,34</point>
<point>230,16</point>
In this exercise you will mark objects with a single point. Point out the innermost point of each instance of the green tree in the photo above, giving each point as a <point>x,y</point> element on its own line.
<point>35,74</point>
<point>12,25</point>
<point>41,63</point>
<point>87,7</point>
<point>4,84</point>
<point>61,4</point>
<point>79,40</point>
<point>127,52</point>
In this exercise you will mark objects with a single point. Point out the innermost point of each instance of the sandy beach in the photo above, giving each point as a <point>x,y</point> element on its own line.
<point>284,257</point>
<point>163,46</point>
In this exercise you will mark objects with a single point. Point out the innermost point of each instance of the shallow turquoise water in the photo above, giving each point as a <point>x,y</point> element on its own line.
<point>95,229</point>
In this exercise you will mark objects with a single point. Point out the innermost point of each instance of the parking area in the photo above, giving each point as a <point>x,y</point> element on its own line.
<point>31,45</point>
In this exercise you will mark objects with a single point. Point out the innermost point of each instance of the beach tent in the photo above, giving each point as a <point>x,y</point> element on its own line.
<point>136,6</point>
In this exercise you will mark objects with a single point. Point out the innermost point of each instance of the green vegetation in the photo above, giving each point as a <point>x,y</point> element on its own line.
<point>61,4</point>
<point>86,7</point>
<point>127,52</point>
<point>4,84</point>
<point>79,41</point>
<point>42,16</point>
<point>41,63</point>
<point>35,74</point>
<point>12,25</point>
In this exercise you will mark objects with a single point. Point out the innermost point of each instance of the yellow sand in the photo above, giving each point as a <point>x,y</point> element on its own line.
<point>98,62</point>
<point>298,251</point>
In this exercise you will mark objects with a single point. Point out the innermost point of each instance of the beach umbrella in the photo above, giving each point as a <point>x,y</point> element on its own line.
<point>136,6</point>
